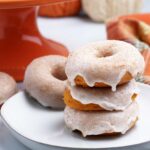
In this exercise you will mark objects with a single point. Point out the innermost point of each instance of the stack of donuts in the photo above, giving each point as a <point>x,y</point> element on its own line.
<point>101,92</point>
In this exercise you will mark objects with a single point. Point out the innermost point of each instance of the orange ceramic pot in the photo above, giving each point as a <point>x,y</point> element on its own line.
<point>20,39</point>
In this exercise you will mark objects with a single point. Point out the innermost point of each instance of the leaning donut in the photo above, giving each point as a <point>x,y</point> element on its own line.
<point>103,64</point>
<point>45,80</point>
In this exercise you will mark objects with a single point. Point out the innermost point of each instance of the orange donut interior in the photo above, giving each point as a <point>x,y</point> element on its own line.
<point>73,103</point>
<point>79,80</point>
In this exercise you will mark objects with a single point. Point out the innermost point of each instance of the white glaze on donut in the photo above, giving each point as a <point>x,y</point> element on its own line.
<point>45,80</point>
<point>105,61</point>
<point>8,87</point>
<point>101,122</point>
<point>105,97</point>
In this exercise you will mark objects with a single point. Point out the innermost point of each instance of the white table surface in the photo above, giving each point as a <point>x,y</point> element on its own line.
<point>73,32</point>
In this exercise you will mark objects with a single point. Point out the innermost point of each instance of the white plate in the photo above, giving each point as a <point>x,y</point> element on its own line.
<point>42,129</point>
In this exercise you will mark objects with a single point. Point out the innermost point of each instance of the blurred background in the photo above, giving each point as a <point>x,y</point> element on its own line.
<point>78,30</point>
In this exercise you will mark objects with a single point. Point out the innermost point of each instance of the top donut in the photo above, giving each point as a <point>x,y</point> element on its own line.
<point>103,64</point>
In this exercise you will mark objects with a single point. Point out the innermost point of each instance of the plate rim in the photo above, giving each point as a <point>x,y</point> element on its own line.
<point>55,145</point>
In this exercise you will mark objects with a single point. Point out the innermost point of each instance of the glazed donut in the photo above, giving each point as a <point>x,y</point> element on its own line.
<point>8,87</point>
<point>98,122</point>
<point>104,99</point>
<point>62,9</point>
<point>45,80</point>
<point>103,64</point>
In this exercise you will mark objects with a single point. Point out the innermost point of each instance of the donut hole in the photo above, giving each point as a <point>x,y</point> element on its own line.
<point>105,53</point>
<point>59,73</point>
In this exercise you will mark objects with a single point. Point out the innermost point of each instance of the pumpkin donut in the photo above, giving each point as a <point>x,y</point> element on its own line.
<point>45,80</point>
<point>103,64</point>
<point>102,122</point>
<point>100,99</point>
<point>8,87</point>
